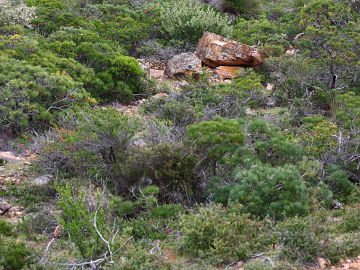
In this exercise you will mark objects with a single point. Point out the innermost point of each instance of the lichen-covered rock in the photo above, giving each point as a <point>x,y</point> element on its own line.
<point>215,50</point>
<point>183,66</point>
<point>42,180</point>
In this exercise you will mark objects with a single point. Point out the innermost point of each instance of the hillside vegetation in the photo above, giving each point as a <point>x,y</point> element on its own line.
<point>104,165</point>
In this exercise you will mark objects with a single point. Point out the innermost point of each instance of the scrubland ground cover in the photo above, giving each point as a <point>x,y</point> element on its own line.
<point>225,176</point>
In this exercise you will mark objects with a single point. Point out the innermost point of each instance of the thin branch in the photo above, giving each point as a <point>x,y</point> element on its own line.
<point>102,238</point>
<point>47,250</point>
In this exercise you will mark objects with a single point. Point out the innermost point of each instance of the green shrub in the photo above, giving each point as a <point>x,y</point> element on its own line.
<point>262,32</point>
<point>118,77</point>
<point>30,195</point>
<point>5,228</point>
<point>351,219</point>
<point>31,96</point>
<point>270,146</point>
<point>299,238</point>
<point>171,167</point>
<point>319,135</point>
<point>242,7</point>
<point>78,222</point>
<point>305,239</point>
<point>218,137</point>
<point>275,192</point>
<point>89,143</point>
<point>166,211</point>
<point>187,20</point>
<point>223,234</point>
<point>14,255</point>
<point>122,208</point>
<point>339,184</point>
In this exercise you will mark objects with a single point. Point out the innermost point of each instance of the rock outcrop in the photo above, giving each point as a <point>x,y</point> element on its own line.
<point>185,65</point>
<point>215,50</point>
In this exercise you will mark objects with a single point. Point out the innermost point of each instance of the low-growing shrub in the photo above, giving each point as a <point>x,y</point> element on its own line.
<point>223,234</point>
<point>351,219</point>
<point>5,228</point>
<point>79,223</point>
<point>14,254</point>
<point>32,96</point>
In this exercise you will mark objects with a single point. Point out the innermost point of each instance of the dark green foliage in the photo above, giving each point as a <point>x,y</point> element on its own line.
<point>14,255</point>
<point>30,195</point>
<point>122,208</point>
<point>96,135</point>
<point>218,137</point>
<point>5,228</point>
<point>270,146</point>
<point>32,96</point>
<point>351,222</point>
<point>166,211</point>
<point>275,192</point>
<point>242,7</point>
<point>171,167</point>
<point>277,147</point>
<point>339,183</point>
<point>305,239</point>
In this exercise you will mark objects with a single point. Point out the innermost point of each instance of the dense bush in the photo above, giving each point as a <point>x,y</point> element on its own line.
<point>187,20</point>
<point>275,192</point>
<point>277,146</point>
<point>222,235</point>
<point>32,96</point>
<point>97,135</point>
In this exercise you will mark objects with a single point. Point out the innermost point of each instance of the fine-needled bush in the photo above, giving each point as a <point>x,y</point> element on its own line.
<point>266,191</point>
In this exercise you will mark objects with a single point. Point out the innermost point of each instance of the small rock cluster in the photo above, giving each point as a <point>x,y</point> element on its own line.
<point>223,58</point>
<point>9,211</point>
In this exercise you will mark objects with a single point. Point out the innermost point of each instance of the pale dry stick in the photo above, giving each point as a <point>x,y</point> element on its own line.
<point>46,250</point>
<point>102,238</point>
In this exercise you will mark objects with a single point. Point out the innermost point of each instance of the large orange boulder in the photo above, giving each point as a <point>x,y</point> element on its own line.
<point>215,50</point>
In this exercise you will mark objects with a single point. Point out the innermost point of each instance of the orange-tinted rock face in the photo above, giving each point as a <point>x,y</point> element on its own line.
<point>214,50</point>
<point>227,72</point>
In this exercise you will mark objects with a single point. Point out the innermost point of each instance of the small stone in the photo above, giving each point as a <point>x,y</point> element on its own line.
<point>42,180</point>
<point>354,266</point>
<point>4,206</point>
<point>57,232</point>
<point>270,87</point>
<point>323,263</point>
<point>157,74</point>
<point>14,212</point>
